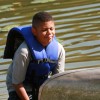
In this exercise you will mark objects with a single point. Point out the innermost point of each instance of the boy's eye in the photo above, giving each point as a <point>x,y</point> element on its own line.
<point>44,30</point>
<point>51,28</point>
<point>47,29</point>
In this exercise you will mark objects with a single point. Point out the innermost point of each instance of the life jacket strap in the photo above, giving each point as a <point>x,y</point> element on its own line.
<point>45,60</point>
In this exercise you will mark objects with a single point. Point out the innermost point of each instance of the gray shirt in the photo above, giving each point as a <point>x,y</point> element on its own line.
<point>17,69</point>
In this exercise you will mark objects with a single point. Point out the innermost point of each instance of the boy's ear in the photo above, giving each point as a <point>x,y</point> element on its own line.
<point>34,31</point>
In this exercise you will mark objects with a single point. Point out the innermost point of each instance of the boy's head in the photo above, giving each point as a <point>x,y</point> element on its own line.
<point>41,17</point>
<point>43,27</point>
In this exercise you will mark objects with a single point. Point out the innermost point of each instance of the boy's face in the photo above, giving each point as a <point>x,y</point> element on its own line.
<point>44,32</point>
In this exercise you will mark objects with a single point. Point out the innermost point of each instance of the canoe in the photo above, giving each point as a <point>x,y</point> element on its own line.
<point>80,84</point>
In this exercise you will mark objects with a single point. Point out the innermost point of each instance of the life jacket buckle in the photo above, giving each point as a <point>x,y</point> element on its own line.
<point>38,61</point>
<point>45,60</point>
<point>42,60</point>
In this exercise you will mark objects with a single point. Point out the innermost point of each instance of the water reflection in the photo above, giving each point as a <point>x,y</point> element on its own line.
<point>77,28</point>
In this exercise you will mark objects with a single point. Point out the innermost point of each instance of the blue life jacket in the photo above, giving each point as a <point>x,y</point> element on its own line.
<point>44,59</point>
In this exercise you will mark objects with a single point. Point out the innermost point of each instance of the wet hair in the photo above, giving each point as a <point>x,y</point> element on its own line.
<point>41,17</point>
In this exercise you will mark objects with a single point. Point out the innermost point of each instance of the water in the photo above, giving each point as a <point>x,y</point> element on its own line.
<point>77,28</point>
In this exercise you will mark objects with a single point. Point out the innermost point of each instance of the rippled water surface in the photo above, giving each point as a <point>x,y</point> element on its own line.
<point>77,28</point>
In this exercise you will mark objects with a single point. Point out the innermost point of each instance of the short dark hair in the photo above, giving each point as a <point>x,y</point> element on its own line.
<point>41,17</point>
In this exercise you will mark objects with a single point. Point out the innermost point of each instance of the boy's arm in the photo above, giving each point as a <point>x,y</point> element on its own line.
<point>21,91</point>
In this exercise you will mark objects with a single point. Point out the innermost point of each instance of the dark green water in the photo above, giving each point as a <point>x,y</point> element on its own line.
<point>77,27</point>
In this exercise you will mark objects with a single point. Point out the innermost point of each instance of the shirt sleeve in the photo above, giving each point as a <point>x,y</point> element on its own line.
<point>61,60</point>
<point>20,64</point>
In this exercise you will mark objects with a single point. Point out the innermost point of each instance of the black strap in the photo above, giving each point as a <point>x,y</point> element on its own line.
<point>35,92</point>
